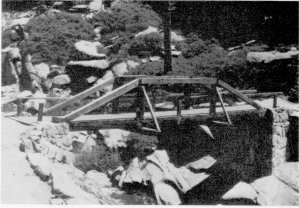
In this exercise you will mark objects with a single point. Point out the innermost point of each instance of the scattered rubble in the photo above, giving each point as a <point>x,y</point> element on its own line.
<point>159,171</point>
<point>48,151</point>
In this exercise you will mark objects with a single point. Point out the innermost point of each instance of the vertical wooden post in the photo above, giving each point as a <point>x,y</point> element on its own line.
<point>275,101</point>
<point>222,105</point>
<point>187,96</point>
<point>213,101</point>
<point>179,110</point>
<point>115,102</point>
<point>40,112</point>
<point>154,94</point>
<point>19,107</point>
<point>140,106</point>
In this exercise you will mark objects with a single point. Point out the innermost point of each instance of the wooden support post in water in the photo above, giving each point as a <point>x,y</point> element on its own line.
<point>179,110</point>
<point>40,112</point>
<point>213,101</point>
<point>151,109</point>
<point>222,105</point>
<point>275,101</point>
<point>19,107</point>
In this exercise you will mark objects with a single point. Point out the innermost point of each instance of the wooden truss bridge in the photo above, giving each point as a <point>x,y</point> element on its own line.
<point>217,89</point>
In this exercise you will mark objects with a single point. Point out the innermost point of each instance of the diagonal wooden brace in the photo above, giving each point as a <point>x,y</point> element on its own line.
<point>151,109</point>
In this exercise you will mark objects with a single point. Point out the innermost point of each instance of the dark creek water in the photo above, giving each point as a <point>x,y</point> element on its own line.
<point>188,143</point>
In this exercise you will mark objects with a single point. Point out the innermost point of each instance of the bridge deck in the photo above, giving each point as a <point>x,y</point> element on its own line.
<point>128,120</point>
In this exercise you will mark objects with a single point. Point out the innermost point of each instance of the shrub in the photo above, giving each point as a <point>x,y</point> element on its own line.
<point>100,159</point>
<point>146,45</point>
<point>52,37</point>
<point>122,23</point>
<point>130,18</point>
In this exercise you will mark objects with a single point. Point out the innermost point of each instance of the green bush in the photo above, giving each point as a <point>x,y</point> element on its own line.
<point>52,37</point>
<point>122,23</point>
<point>146,45</point>
<point>100,159</point>
<point>127,18</point>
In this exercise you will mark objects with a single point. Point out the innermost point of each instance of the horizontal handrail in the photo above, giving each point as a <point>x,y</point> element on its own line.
<point>103,100</point>
<point>80,96</point>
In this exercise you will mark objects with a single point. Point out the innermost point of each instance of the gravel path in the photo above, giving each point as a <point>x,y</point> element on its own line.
<point>19,184</point>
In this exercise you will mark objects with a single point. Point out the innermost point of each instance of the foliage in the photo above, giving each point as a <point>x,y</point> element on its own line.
<point>120,25</point>
<point>100,159</point>
<point>146,45</point>
<point>127,18</point>
<point>52,37</point>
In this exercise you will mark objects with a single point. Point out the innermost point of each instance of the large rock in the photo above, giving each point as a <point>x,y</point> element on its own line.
<point>273,192</point>
<point>100,178</point>
<point>289,174</point>
<point>267,57</point>
<point>62,184</point>
<point>120,69</point>
<point>40,164</point>
<point>241,190</point>
<point>99,64</point>
<point>166,194</point>
<point>90,48</point>
<point>61,79</point>
<point>150,29</point>
<point>42,70</point>
<point>95,5</point>
<point>134,174</point>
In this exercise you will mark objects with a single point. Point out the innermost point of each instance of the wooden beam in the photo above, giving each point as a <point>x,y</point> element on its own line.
<point>240,95</point>
<point>45,98</point>
<point>178,80</point>
<point>151,109</point>
<point>223,107</point>
<point>103,100</point>
<point>213,95</point>
<point>275,101</point>
<point>179,110</point>
<point>140,107</point>
<point>264,94</point>
<point>80,96</point>
<point>241,91</point>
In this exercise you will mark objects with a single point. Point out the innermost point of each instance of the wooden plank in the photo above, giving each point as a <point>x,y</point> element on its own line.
<point>223,107</point>
<point>140,106</point>
<point>80,96</point>
<point>127,120</point>
<point>178,80</point>
<point>264,94</point>
<point>240,95</point>
<point>45,98</point>
<point>151,109</point>
<point>103,100</point>
<point>241,91</point>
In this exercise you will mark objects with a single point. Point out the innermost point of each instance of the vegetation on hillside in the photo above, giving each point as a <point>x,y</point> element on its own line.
<point>52,37</point>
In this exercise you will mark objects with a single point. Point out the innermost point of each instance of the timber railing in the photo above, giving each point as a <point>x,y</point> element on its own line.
<point>141,83</point>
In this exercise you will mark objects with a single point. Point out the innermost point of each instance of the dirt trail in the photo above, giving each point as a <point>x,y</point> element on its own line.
<point>19,184</point>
